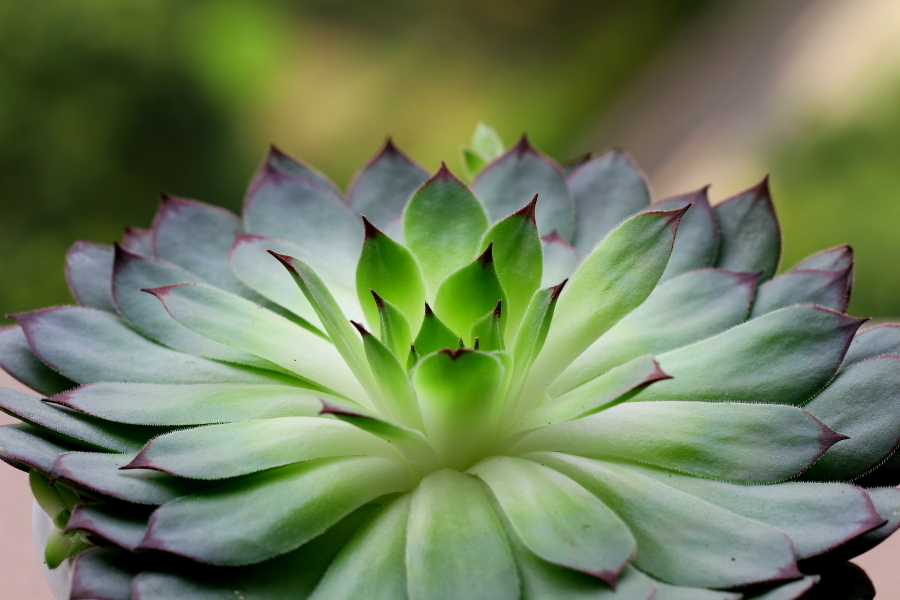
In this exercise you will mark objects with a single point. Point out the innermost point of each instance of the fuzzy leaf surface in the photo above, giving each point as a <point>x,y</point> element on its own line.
<point>509,182</point>
<point>17,359</point>
<point>783,357</point>
<point>680,539</point>
<point>606,189</point>
<point>271,512</point>
<point>751,236</point>
<point>680,311</point>
<point>557,519</point>
<point>88,273</point>
<point>737,442</point>
<point>456,547</point>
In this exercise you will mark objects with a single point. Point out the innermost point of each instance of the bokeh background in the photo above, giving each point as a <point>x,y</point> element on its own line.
<point>104,104</point>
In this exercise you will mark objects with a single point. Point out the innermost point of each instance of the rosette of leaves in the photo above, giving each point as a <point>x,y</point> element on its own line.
<point>539,385</point>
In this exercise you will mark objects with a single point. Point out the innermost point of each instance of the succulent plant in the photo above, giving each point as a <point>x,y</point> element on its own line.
<point>527,387</point>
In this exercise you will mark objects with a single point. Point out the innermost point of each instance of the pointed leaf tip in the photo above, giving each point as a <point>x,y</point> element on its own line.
<point>371,231</point>
<point>557,289</point>
<point>362,330</point>
<point>487,257</point>
<point>523,146</point>
<point>428,310</point>
<point>498,310</point>
<point>379,301</point>
<point>529,211</point>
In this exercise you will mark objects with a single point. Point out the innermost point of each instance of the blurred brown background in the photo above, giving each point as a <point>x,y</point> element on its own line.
<point>104,104</point>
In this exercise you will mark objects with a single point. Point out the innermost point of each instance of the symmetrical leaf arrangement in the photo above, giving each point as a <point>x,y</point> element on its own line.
<point>529,387</point>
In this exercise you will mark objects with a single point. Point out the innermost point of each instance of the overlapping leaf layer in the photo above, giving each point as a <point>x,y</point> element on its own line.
<point>539,385</point>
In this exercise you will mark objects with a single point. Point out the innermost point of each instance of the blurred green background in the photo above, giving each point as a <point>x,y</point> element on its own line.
<point>104,104</point>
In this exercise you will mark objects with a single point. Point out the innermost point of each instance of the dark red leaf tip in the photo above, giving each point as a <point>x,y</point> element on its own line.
<point>528,211</point>
<point>379,301</point>
<point>362,330</point>
<point>372,232</point>
<point>487,257</point>
<point>333,409</point>
<point>523,146</point>
<point>498,310</point>
<point>140,462</point>
<point>454,353</point>
<point>477,344</point>
<point>443,173</point>
<point>285,260</point>
<point>428,311</point>
<point>557,289</point>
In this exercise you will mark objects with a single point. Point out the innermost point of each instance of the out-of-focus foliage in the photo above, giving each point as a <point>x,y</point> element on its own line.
<point>103,104</point>
<point>841,184</point>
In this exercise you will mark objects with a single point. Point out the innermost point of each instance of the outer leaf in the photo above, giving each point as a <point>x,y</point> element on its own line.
<point>887,503</point>
<point>458,392</point>
<point>665,591</point>
<point>616,278</point>
<point>816,516</point>
<point>794,590</point>
<point>833,259</point>
<point>560,260</point>
<point>104,574</point>
<point>70,424</point>
<point>683,310</point>
<point>131,275</point>
<point>294,209</point>
<point>239,323</point>
<point>518,259</point>
<point>276,579</point>
<point>456,547</point>
<point>862,402</point>
<point>697,245</point>
<point>680,539</point>
<point>252,261</point>
<point>541,580</point>
<point>138,241</point>
<point>88,273</point>
<point>196,237</point>
<point>557,519</point>
<point>388,268</point>
<point>280,160</point>
<point>300,501</point>
<point>24,446</point>
<point>102,473</point>
<point>442,226</point>
<point>607,189</point>
<point>508,182</point>
<point>613,387</point>
<point>381,189</point>
<point>234,449</point>
<point>469,294</point>
<point>828,289</point>
<point>785,357</point>
<point>372,563</point>
<point>198,404</point>
<point>751,236</point>
<point>89,345</point>
<point>17,359</point>
<point>123,526</point>
<point>875,341</point>
<point>737,442</point>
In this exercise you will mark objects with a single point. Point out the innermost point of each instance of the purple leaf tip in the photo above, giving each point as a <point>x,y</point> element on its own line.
<point>371,231</point>
<point>528,211</point>
<point>487,257</point>
<point>454,353</point>
<point>557,289</point>
<point>362,330</point>
<point>379,301</point>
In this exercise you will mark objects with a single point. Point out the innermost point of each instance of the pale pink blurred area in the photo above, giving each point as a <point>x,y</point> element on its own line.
<point>20,572</point>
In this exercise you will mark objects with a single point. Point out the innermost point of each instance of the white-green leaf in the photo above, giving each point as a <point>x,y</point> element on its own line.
<point>557,519</point>
<point>731,441</point>
<point>456,547</point>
